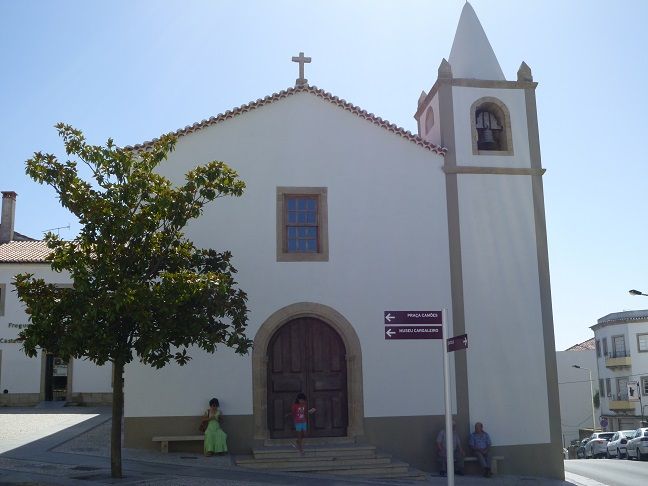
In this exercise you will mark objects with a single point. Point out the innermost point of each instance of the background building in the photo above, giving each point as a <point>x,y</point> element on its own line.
<point>621,341</point>
<point>575,392</point>
<point>23,380</point>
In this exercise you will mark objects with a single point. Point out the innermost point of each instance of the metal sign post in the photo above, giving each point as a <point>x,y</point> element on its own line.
<point>449,433</point>
<point>425,325</point>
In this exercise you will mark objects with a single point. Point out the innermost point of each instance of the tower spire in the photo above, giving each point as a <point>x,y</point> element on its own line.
<point>471,55</point>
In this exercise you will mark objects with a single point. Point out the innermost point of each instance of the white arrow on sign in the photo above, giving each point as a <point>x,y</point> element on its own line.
<point>389,333</point>
<point>389,317</point>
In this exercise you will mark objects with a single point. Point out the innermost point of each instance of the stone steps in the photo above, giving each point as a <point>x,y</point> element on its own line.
<point>314,463</point>
<point>310,441</point>
<point>340,457</point>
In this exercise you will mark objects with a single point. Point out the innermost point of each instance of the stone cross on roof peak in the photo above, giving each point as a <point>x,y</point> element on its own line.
<point>301,81</point>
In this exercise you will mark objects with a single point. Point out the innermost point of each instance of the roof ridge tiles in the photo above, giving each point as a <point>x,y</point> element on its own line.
<point>325,95</point>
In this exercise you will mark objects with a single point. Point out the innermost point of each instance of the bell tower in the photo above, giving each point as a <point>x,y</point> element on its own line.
<point>498,250</point>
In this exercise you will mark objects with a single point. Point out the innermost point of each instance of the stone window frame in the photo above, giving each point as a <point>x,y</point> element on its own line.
<point>598,348</point>
<point>322,255</point>
<point>3,298</point>
<point>620,392</point>
<point>608,387</point>
<point>429,120</point>
<point>613,345</point>
<point>638,342</point>
<point>500,109</point>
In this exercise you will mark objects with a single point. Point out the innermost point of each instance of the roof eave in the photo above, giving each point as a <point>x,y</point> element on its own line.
<point>376,120</point>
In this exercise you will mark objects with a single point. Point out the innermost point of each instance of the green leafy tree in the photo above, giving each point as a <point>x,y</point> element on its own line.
<point>142,290</point>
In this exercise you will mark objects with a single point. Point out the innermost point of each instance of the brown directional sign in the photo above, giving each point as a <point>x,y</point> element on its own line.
<point>413,317</point>
<point>413,332</point>
<point>458,342</point>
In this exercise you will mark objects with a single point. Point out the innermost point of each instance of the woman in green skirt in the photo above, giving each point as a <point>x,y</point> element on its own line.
<point>215,437</point>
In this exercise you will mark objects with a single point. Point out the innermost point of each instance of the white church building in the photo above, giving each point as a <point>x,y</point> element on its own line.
<point>347,216</point>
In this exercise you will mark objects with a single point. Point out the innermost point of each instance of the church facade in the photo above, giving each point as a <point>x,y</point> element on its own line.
<point>346,216</point>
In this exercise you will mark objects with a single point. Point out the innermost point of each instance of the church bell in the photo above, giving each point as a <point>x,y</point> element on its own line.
<point>486,140</point>
<point>486,124</point>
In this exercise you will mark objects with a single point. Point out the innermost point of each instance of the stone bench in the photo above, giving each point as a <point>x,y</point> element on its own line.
<point>164,440</point>
<point>494,461</point>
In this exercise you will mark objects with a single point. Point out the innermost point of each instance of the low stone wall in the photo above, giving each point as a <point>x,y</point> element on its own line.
<point>19,399</point>
<point>92,399</point>
<point>31,399</point>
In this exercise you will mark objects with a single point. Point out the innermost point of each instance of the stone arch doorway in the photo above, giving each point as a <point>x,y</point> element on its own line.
<point>334,321</point>
<point>306,355</point>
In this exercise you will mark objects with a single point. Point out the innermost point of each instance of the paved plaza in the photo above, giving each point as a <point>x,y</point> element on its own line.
<point>71,446</point>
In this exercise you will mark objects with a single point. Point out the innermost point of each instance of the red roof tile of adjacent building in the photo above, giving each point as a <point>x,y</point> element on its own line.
<point>24,252</point>
<point>584,346</point>
<point>376,120</point>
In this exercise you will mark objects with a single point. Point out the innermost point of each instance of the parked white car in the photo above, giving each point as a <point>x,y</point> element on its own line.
<point>617,445</point>
<point>597,445</point>
<point>637,447</point>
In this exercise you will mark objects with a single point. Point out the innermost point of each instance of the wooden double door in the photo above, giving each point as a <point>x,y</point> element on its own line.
<point>307,355</point>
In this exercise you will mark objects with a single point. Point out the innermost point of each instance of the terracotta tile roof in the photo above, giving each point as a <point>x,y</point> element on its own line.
<point>584,346</point>
<point>24,252</point>
<point>376,120</point>
<point>625,316</point>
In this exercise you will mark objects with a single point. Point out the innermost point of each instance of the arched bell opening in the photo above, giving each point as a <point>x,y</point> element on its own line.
<point>491,128</point>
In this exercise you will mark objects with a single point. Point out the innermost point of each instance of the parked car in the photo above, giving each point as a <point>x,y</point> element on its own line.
<point>617,445</point>
<point>580,452</point>
<point>637,447</point>
<point>597,444</point>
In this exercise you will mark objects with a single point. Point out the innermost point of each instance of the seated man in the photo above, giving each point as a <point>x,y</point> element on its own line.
<point>458,452</point>
<point>480,443</point>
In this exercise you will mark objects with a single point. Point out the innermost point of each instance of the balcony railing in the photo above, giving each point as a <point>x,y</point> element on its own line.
<point>623,404</point>
<point>618,359</point>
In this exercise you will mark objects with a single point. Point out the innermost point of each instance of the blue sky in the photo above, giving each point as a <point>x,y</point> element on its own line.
<point>132,70</point>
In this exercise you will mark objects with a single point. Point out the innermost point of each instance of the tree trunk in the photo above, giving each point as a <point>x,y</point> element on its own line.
<point>117,413</point>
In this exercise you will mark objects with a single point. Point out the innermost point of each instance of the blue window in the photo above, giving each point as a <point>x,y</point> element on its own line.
<point>302,224</point>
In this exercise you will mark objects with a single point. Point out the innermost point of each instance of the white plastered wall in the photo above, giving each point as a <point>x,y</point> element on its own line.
<point>388,250</point>
<point>502,308</point>
<point>87,377</point>
<point>463,98</point>
<point>21,374</point>
<point>575,393</point>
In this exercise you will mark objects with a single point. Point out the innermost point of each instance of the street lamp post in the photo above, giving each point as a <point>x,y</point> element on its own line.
<point>637,292</point>
<point>591,393</point>
<point>641,405</point>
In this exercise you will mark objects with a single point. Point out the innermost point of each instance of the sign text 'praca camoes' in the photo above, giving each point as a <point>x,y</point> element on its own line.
<point>413,317</point>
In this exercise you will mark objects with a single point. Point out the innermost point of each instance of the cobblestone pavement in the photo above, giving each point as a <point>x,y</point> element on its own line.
<point>22,426</point>
<point>70,447</point>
